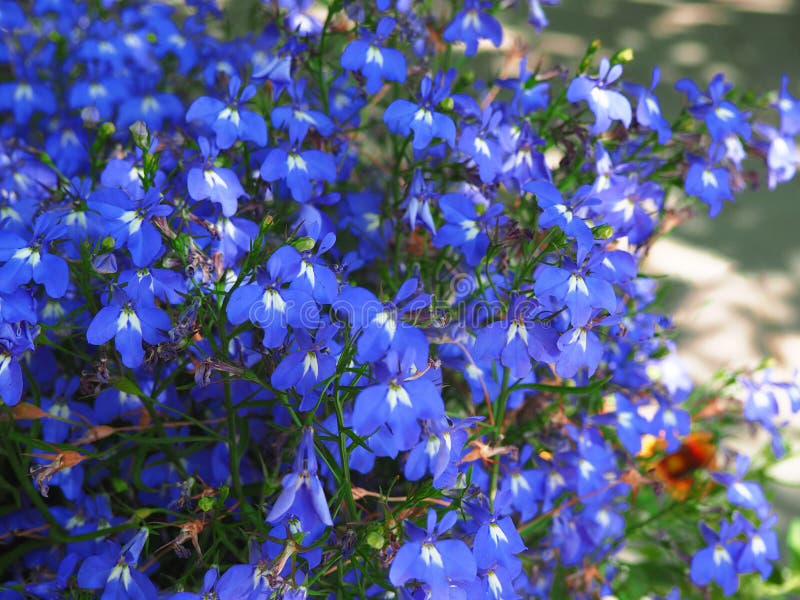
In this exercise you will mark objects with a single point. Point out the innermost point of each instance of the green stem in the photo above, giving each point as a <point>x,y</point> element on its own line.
<point>347,488</point>
<point>499,415</point>
<point>233,449</point>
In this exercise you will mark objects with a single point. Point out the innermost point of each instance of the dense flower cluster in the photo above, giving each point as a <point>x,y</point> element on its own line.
<point>322,306</point>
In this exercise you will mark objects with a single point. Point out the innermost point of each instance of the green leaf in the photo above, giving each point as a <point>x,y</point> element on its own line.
<point>793,542</point>
<point>123,384</point>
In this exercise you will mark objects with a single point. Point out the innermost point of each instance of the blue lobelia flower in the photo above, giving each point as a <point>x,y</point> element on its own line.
<point>152,108</point>
<point>114,570</point>
<point>439,450</point>
<point>372,59</point>
<point>17,305</point>
<point>128,218</point>
<point>345,101</point>
<point>495,582</point>
<point>218,184</point>
<point>379,326</point>
<point>528,98</point>
<point>405,117</point>
<point>421,194</point>
<point>536,16</point>
<point>33,260</point>
<point>631,208</point>
<point>271,306</point>
<point>208,589</point>
<point>497,540</point>
<point>721,116</point>
<point>314,277</point>
<point>761,549</point>
<point>233,238</point>
<point>68,147</point>
<point>312,363</point>
<point>518,338</point>
<point>129,324</point>
<point>788,109</point>
<point>630,425</point>
<point>229,120</point>
<point>399,402</point>
<point>648,109</point>
<point>580,347</point>
<point>300,117</point>
<point>15,340</point>
<point>302,495</point>
<point>477,142</point>
<point>558,212</point>
<point>782,155</point>
<point>466,223</point>
<point>581,288</point>
<point>360,212</point>
<point>26,97</point>
<point>671,421</point>
<point>12,16</point>
<point>473,23</point>
<point>146,285</point>
<point>523,162</point>
<point>606,104</point>
<point>717,562</point>
<point>523,487</point>
<point>426,558</point>
<point>743,493</point>
<point>709,183</point>
<point>298,21</point>
<point>298,169</point>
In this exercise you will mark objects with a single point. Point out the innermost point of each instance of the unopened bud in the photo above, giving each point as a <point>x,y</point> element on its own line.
<point>623,56</point>
<point>303,244</point>
<point>106,130</point>
<point>141,135</point>
<point>90,117</point>
<point>603,232</point>
<point>375,540</point>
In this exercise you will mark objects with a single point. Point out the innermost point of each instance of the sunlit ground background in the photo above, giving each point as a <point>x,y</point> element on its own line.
<point>737,298</point>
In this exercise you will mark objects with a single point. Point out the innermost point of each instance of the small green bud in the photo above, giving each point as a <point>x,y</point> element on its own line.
<point>603,232</point>
<point>106,131</point>
<point>587,58</point>
<point>119,485</point>
<point>141,135</point>
<point>447,103</point>
<point>623,56</point>
<point>206,503</point>
<point>375,540</point>
<point>303,244</point>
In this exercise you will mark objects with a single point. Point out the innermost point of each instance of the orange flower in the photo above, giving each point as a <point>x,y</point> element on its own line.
<point>676,470</point>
